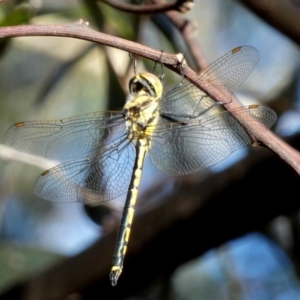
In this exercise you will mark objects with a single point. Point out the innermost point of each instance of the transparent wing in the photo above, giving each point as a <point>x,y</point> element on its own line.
<point>226,74</point>
<point>179,149</point>
<point>67,138</point>
<point>102,176</point>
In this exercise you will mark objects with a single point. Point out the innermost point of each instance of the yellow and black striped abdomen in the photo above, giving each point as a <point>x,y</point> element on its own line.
<point>128,212</point>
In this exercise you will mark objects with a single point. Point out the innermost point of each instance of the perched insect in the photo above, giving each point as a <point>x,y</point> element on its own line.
<point>182,129</point>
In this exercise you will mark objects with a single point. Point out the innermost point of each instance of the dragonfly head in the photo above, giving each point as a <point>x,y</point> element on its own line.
<point>146,83</point>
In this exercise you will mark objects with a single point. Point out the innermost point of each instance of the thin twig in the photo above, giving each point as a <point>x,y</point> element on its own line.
<point>10,154</point>
<point>187,28</point>
<point>183,6</point>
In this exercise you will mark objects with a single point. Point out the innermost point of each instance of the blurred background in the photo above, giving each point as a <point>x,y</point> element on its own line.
<point>231,232</point>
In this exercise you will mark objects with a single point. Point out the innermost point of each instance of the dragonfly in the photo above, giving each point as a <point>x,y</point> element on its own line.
<point>182,129</point>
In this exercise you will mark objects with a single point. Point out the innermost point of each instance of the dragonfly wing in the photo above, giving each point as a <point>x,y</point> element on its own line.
<point>101,177</point>
<point>185,101</point>
<point>232,69</point>
<point>179,149</point>
<point>226,74</point>
<point>67,138</point>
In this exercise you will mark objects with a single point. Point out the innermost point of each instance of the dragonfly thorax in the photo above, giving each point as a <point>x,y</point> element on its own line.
<point>140,110</point>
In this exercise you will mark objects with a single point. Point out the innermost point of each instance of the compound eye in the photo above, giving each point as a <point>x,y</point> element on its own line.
<point>146,82</point>
<point>137,87</point>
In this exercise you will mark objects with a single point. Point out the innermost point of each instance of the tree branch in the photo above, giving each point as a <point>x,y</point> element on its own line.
<point>283,15</point>
<point>11,154</point>
<point>183,6</point>
<point>81,30</point>
<point>187,31</point>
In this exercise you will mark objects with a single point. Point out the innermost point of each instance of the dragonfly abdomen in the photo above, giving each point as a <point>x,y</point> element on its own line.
<point>128,212</point>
